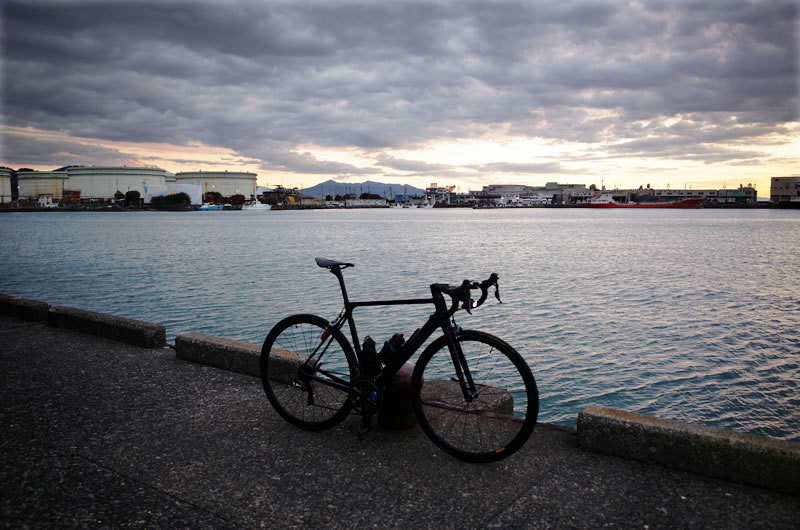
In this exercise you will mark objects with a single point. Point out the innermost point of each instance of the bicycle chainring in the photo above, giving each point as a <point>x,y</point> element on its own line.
<point>364,392</point>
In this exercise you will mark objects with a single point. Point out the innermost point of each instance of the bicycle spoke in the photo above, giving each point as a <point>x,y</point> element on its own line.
<point>495,419</point>
<point>306,379</point>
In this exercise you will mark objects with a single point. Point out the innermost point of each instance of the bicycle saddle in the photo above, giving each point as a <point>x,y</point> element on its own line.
<point>329,263</point>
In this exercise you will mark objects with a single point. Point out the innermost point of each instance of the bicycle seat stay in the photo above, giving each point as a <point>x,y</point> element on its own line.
<point>329,263</point>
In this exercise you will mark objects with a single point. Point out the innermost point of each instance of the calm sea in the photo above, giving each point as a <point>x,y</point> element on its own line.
<point>692,315</point>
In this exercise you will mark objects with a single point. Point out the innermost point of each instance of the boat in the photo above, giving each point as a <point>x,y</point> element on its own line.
<point>606,201</point>
<point>208,206</point>
<point>256,206</point>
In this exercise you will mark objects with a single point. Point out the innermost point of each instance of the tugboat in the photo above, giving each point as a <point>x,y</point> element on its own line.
<point>606,201</point>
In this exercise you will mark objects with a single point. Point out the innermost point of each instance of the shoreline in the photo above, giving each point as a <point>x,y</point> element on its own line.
<point>280,208</point>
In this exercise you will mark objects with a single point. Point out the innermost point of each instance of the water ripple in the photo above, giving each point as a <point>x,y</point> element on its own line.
<point>687,315</point>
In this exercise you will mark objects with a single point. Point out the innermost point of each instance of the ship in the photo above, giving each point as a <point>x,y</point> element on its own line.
<point>606,201</point>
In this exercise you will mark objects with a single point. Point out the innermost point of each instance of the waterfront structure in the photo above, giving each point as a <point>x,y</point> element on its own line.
<point>33,184</point>
<point>435,194</point>
<point>45,201</point>
<point>784,189</point>
<point>522,195</point>
<point>103,182</point>
<point>5,185</point>
<point>227,183</point>
<point>740,196</point>
<point>365,203</point>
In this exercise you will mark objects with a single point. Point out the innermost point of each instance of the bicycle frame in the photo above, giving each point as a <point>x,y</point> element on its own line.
<point>440,319</point>
<point>471,392</point>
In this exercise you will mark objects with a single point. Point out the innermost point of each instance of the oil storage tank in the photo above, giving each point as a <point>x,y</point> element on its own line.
<point>5,185</point>
<point>103,182</point>
<point>228,183</point>
<point>32,184</point>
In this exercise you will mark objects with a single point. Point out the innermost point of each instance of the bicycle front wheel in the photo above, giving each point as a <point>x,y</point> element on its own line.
<point>484,423</point>
<point>305,371</point>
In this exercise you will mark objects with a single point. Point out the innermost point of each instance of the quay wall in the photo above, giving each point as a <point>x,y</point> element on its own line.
<point>756,460</point>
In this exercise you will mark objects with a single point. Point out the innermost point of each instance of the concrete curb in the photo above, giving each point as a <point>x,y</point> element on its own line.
<point>17,307</point>
<point>220,353</point>
<point>128,330</point>
<point>747,458</point>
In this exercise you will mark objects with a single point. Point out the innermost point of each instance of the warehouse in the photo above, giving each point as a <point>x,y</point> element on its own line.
<point>227,183</point>
<point>32,184</point>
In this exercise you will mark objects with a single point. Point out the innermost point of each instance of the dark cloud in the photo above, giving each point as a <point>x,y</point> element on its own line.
<point>262,78</point>
<point>28,151</point>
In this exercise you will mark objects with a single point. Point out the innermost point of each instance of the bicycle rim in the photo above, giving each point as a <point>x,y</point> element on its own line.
<point>495,420</point>
<point>305,372</point>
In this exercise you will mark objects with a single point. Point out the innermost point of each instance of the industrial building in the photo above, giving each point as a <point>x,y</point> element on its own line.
<point>783,189</point>
<point>32,184</point>
<point>555,193</point>
<point>101,183</point>
<point>516,194</point>
<point>742,195</point>
<point>228,183</point>
<point>5,185</point>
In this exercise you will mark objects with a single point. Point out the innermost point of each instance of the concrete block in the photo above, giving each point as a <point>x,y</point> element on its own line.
<point>17,307</point>
<point>121,329</point>
<point>756,460</point>
<point>220,353</point>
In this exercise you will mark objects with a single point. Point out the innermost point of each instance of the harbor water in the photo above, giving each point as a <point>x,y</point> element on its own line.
<point>692,315</point>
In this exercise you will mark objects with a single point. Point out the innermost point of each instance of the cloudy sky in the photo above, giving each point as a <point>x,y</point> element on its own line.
<point>701,94</point>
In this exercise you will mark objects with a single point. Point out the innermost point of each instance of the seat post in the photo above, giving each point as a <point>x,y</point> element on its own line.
<point>337,271</point>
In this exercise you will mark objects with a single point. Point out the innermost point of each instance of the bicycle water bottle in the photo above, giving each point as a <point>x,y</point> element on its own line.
<point>391,347</point>
<point>369,358</point>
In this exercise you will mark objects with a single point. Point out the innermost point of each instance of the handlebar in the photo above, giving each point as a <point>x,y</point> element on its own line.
<point>461,293</point>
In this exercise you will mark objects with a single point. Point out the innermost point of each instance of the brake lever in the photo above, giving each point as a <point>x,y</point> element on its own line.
<point>497,292</point>
<point>466,301</point>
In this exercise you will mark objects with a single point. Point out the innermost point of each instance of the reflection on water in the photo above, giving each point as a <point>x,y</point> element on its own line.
<point>692,315</point>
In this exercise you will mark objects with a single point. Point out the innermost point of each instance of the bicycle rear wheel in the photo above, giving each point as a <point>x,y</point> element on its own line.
<point>305,371</point>
<point>495,420</point>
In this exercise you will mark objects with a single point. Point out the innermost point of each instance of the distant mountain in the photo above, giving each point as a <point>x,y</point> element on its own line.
<point>333,188</point>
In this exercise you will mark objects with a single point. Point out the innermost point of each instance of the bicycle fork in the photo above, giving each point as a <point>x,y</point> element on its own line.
<point>468,389</point>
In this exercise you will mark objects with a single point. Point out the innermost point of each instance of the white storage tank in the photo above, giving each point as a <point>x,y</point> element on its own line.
<point>34,183</point>
<point>104,182</point>
<point>228,183</point>
<point>5,185</point>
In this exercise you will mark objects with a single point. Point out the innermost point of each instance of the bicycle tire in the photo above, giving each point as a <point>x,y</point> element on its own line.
<point>498,420</point>
<point>309,396</point>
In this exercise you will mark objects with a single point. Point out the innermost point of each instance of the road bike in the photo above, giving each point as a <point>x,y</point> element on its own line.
<point>472,393</point>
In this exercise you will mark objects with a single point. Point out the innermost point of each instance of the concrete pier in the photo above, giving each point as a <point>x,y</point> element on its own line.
<point>98,432</point>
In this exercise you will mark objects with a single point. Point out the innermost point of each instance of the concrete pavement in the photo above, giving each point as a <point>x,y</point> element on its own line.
<point>101,433</point>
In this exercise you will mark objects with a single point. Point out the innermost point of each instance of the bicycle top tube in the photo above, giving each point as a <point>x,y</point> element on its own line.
<point>459,294</point>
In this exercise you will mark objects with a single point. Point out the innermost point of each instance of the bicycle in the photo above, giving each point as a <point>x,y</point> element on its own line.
<point>472,393</point>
